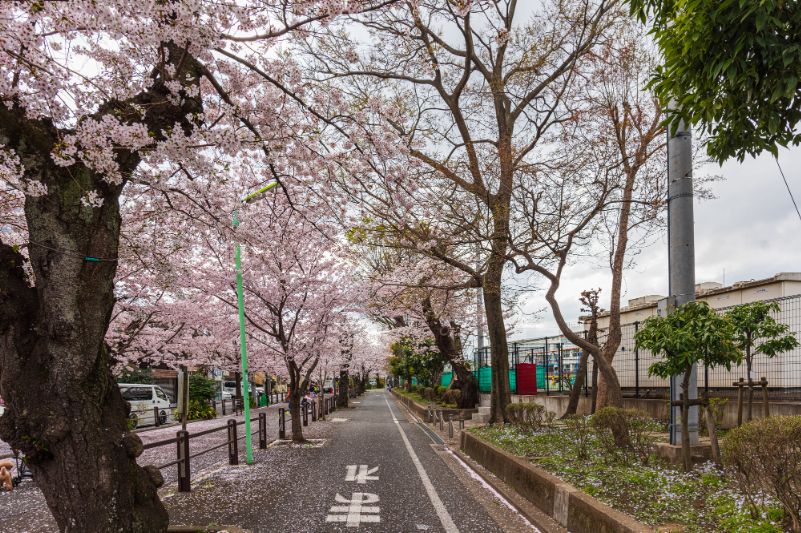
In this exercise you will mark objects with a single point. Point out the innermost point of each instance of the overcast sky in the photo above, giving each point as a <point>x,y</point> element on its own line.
<point>751,230</point>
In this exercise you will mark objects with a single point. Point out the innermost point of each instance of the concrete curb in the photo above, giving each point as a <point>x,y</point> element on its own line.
<point>204,529</point>
<point>529,511</point>
<point>575,510</point>
<point>420,410</point>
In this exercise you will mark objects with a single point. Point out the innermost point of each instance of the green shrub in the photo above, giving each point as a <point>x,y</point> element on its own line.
<point>412,388</point>
<point>452,395</point>
<point>641,429</point>
<point>202,389</point>
<point>429,394</point>
<point>441,390</point>
<point>624,433</point>
<point>613,432</point>
<point>764,456</point>
<point>528,416</point>
<point>580,430</point>
<point>200,411</point>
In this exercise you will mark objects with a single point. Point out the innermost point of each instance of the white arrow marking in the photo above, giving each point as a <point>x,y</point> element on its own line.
<point>353,512</point>
<point>363,476</point>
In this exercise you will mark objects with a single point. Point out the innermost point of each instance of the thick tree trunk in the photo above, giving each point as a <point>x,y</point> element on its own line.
<point>342,399</point>
<point>468,383</point>
<point>575,392</point>
<point>63,408</point>
<point>295,396</point>
<point>501,394</point>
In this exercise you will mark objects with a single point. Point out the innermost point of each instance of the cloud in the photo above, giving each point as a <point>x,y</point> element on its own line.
<point>751,230</point>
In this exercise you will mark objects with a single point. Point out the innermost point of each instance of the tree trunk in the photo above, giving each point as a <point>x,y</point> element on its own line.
<point>342,399</point>
<point>63,407</point>
<point>685,426</point>
<point>501,393</point>
<point>468,383</point>
<point>615,396</point>
<point>575,392</point>
<point>363,383</point>
<point>295,396</point>
<point>749,410</point>
<point>594,388</point>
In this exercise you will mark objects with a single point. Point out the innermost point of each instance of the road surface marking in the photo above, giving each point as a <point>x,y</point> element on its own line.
<point>363,475</point>
<point>339,420</point>
<point>355,512</point>
<point>439,507</point>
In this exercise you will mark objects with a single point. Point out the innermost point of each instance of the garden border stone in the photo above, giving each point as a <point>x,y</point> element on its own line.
<point>577,511</point>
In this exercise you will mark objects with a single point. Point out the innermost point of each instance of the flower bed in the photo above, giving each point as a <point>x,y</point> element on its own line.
<point>658,494</point>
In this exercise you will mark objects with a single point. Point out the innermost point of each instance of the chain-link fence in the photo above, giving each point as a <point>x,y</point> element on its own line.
<point>783,372</point>
<point>559,359</point>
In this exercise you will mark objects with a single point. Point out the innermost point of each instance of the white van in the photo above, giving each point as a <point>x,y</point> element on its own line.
<point>143,399</point>
<point>230,386</point>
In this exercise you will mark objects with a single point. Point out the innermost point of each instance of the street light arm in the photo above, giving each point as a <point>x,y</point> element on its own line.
<point>258,195</point>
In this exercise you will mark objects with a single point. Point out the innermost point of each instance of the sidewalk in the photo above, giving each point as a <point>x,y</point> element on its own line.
<point>24,509</point>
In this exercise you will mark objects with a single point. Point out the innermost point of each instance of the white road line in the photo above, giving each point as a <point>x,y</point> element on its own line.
<point>439,507</point>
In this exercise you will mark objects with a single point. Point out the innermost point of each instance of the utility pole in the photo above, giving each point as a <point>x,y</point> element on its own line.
<point>681,257</point>
<point>480,307</point>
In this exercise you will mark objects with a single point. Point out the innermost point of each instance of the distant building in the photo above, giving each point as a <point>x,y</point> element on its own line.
<point>715,294</point>
<point>783,372</point>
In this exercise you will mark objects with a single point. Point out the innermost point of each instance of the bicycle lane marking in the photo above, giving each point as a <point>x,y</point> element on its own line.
<point>439,507</point>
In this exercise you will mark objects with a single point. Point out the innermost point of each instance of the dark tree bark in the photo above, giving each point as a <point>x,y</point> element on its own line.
<point>590,300</point>
<point>449,345</point>
<point>296,387</point>
<point>342,399</point>
<point>63,408</point>
<point>501,393</point>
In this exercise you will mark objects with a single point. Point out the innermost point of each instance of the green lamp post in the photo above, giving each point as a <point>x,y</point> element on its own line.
<point>258,195</point>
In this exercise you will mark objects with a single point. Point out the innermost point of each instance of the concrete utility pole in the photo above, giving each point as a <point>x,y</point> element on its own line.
<point>681,257</point>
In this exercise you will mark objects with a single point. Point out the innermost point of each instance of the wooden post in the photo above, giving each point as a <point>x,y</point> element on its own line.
<point>281,423</point>
<point>223,409</point>
<point>263,431</point>
<point>740,384</point>
<point>305,409</point>
<point>314,410</point>
<point>184,477</point>
<point>710,426</point>
<point>233,451</point>
<point>765,404</point>
<point>156,420</point>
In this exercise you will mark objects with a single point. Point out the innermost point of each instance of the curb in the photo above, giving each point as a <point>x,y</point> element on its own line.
<point>205,529</point>
<point>529,511</point>
<point>570,507</point>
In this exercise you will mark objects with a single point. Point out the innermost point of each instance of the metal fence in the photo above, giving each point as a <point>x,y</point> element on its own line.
<point>560,359</point>
<point>783,372</point>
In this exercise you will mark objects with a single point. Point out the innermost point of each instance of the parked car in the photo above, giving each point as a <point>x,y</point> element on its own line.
<point>230,386</point>
<point>143,399</point>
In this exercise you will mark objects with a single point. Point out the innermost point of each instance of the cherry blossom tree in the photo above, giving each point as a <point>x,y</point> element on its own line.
<point>102,101</point>
<point>473,90</point>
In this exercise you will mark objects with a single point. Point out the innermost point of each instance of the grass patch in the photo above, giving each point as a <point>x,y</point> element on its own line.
<point>703,501</point>
<point>422,401</point>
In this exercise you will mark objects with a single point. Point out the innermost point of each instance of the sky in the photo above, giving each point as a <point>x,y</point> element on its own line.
<point>751,230</point>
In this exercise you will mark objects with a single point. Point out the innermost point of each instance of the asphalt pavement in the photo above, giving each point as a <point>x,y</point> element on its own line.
<point>377,471</point>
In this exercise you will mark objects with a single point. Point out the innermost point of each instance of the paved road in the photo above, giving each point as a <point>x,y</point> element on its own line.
<point>377,472</point>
